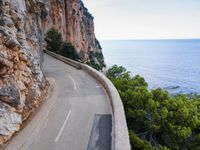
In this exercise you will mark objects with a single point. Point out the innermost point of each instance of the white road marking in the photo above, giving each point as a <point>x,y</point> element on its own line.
<point>62,128</point>
<point>73,82</point>
<point>98,86</point>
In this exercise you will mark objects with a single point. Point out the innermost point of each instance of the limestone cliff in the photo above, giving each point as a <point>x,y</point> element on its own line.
<point>73,20</point>
<point>23,24</point>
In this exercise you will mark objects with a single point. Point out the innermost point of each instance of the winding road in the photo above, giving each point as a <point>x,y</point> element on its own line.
<point>77,115</point>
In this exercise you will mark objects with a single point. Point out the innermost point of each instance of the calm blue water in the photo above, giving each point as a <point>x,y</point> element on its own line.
<point>170,64</point>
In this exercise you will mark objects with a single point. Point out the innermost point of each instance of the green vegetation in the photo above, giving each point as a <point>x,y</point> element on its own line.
<point>155,119</point>
<point>54,41</point>
<point>70,51</point>
<point>96,60</point>
<point>56,44</point>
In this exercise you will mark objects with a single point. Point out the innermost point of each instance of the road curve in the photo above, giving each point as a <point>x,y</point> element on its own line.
<point>69,118</point>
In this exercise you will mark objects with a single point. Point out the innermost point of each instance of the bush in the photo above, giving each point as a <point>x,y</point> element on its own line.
<point>155,119</point>
<point>54,41</point>
<point>96,60</point>
<point>55,44</point>
<point>70,51</point>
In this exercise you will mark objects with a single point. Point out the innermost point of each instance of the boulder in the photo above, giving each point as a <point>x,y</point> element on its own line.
<point>9,120</point>
<point>10,95</point>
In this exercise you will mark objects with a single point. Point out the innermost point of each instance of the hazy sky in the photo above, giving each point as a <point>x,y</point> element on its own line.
<point>145,19</point>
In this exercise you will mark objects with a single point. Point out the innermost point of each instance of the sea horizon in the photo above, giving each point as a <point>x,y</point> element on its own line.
<point>172,64</point>
<point>156,39</point>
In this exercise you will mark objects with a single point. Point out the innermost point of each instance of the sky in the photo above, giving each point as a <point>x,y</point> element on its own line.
<point>145,19</point>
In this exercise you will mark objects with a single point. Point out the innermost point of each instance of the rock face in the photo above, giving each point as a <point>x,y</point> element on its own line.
<point>73,20</point>
<point>21,78</point>
<point>23,24</point>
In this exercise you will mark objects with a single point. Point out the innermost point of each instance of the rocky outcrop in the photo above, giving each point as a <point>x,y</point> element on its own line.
<point>23,24</point>
<point>75,23</point>
<point>21,78</point>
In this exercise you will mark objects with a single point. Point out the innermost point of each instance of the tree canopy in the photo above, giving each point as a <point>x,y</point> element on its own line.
<point>56,44</point>
<point>155,119</point>
<point>54,40</point>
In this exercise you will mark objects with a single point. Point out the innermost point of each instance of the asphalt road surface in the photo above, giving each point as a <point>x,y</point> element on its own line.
<point>67,119</point>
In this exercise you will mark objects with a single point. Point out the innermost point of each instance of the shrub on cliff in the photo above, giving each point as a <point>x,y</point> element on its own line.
<point>54,40</point>
<point>69,51</point>
<point>96,60</point>
<point>56,44</point>
<point>155,119</point>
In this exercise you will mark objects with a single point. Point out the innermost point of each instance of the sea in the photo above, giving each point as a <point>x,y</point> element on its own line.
<point>173,65</point>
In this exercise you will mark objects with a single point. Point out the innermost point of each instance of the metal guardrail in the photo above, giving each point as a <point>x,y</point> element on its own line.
<point>120,137</point>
